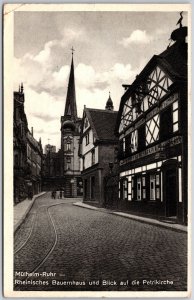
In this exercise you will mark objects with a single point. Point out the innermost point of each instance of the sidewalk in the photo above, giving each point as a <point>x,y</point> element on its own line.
<point>177,227</point>
<point>22,209</point>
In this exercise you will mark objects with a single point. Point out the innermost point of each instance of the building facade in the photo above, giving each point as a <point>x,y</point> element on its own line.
<point>152,130</point>
<point>52,170</point>
<point>34,163</point>
<point>27,153</point>
<point>70,136</point>
<point>20,128</point>
<point>98,151</point>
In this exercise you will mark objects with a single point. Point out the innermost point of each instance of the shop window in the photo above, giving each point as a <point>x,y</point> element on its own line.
<point>152,187</point>
<point>144,193</point>
<point>134,188</point>
<point>155,187</point>
<point>141,138</point>
<point>157,193</point>
<point>143,187</point>
<point>139,188</point>
<point>157,179</point>
<point>166,123</point>
<point>152,130</point>
<point>124,189</point>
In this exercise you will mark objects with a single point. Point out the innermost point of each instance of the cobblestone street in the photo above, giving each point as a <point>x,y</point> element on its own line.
<point>93,250</point>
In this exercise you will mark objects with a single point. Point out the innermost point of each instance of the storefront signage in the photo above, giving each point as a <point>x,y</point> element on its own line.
<point>155,149</point>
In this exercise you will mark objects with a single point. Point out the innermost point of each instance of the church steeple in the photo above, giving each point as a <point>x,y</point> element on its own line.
<point>109,104</point>
<point>70,106</point>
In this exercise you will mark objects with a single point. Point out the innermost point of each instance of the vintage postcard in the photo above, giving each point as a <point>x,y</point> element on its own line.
<point>97,113</point>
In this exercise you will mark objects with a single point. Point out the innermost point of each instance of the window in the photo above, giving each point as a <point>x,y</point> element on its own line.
<point>139,188</point>
<point>133,188</point>
<point>68,146</point>
<point>152,187</point>
<point>152,130</point>
<point>128,145</point>
<point>68,160</point>
<point>93,156</point>
<point>166,123</point>
<point>141,138</point>
<point>175,116</point>
<point>124,189</point>
<point>87,139</point>
<point>134,138</point>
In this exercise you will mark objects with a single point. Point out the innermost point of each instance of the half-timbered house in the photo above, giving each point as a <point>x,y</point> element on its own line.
<point>152,129</point>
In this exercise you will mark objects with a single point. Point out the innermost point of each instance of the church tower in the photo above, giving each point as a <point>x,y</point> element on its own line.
<point>70,135</point>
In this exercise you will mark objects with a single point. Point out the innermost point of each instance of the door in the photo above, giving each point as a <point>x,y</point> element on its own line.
<point>171,192</point>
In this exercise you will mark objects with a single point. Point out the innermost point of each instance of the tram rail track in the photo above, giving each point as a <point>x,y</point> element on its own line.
<point>49,252</point>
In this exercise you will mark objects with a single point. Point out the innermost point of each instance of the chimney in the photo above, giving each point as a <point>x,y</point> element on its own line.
<point>32,131</point>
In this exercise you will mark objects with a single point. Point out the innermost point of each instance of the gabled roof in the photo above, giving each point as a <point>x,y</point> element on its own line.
<point>102,123</point>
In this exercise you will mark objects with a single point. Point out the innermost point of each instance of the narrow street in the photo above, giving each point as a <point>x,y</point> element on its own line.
<point>66,247</point>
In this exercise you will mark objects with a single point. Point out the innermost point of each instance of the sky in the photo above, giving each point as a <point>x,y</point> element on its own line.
<point>111,48</point>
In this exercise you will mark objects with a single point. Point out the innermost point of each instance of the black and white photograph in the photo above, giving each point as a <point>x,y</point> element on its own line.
<point>97,150</point>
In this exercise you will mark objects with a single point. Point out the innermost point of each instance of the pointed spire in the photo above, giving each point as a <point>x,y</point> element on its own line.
<point>70,106</point>
<point>109,104</point>
<point>19,88</point>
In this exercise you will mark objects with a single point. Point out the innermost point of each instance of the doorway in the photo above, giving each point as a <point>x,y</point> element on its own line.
<point>171,192</point>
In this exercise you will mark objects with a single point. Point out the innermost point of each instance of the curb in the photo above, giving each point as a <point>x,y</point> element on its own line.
<point>19,223</point>
<point>179,228</point>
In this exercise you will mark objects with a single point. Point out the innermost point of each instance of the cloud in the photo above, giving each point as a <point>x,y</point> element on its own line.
<point>45,117</point>
<point>45,86</point>
<point>44,55</point>
<point>61,76</point>
<point>71,34</point>
<point>136,37</point>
